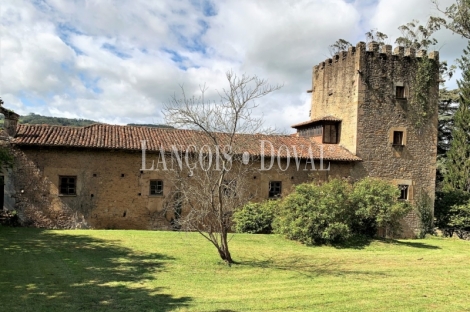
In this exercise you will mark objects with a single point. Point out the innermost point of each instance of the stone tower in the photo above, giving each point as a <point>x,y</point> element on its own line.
<point>364,100</point>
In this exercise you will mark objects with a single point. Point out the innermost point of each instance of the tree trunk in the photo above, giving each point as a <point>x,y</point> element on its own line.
<point>223,249</point>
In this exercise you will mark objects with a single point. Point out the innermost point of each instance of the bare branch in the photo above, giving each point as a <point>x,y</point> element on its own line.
<point>211,193</point>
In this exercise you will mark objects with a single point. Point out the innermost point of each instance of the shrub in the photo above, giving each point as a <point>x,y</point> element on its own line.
<point>424,211</point>
<point>255,218</point>
<point>376,205</point>
<point>315,214</point>
<point>445,207</point>
<point>460,220</point>
<point>331,212</point>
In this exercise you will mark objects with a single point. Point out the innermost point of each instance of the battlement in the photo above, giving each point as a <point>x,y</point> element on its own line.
<point>373,49</point>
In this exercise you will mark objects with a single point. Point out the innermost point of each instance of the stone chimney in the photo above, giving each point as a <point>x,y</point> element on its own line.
<point>11,120</point>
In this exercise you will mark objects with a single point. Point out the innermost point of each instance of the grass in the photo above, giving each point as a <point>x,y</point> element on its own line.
<point>166,271</point>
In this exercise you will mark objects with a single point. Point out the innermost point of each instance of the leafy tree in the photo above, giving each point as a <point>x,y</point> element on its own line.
<point>458,17</point>
<point>417,36</point>
<point>460,220</point>
<point>424,210</point>
<point>444,202</point>
<point>338,46</point>
<point>457,176</point>
<point>374,35</point>
<point>448,104</point>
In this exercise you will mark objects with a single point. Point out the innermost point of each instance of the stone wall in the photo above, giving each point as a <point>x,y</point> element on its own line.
<point>335,92</point>
<point>359,86</point>
<point>113,191</point>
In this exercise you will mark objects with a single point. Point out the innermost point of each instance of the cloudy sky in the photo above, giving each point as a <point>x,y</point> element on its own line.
<point>119,61</point>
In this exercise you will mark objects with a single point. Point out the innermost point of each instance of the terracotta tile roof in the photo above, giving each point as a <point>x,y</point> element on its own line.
<point>308,122</point>
<point>129,138</point>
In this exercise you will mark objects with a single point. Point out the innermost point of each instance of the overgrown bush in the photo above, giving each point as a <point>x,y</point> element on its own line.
<point>424,211</point>
<point>460,220</point>
<point>446,207</point>
<point>376,204</point>
<point>315,214</point>
<point>255,218</point>
<point>333,211</point>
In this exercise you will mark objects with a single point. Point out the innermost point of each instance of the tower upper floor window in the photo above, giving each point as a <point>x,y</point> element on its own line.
<point>400,92</point>
<point>330,133</point>
<point>324,130</point>
<point>398,138</point>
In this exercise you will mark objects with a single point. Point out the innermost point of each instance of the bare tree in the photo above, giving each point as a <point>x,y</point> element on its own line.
<point>211,190</point>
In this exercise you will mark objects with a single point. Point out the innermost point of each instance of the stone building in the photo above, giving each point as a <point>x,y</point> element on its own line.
<point>363,100</point>
<point>361,124</point>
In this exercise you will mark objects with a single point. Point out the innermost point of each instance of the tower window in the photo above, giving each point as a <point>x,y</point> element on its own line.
<point>275,189</point>
<point>330,134</point>
<point>400,92</point>
<point>403,191</point>
<point>398,138</point>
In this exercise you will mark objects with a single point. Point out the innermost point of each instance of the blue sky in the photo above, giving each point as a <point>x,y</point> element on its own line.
<point>121,61</point>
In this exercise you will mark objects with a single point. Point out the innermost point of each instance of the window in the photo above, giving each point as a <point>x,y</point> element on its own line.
<point>275,189</point>
<point>403,191</point>
<point>398,138</point>
<point>330,134</point>
<point>67,185</point>
<point>156,187</point>
<point>400,92</point>
<point>311,131</point>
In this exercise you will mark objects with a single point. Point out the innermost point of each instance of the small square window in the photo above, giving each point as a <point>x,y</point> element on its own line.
<point>275,189</point>
<point>400,92</point>
<point>67,185</point>
<point>156,187</point>
<point>398,138</point>
<point>403,191</point>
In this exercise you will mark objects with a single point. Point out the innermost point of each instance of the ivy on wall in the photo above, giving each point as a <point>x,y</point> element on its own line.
<point>421,96</point>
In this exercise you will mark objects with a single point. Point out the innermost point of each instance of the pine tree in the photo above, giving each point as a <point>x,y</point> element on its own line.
<point>457,176</point>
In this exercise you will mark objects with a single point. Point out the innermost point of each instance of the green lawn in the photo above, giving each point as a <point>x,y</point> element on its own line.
<point>166,271</point>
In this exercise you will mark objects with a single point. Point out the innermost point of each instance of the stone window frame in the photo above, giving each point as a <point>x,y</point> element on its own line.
<point>333,136</point>
<point>404,191</point>
<point>404,90</point>
<point>68,188</point>
<point>156,187</point>
<point>409,184</point>
<point>275,189</point>
<point>391,136</point>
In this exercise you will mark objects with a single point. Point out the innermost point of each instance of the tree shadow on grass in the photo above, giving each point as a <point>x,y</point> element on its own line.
<point>50,271</point>
<point>360,242</point>
<point>354,242</point>
<point>301,265</point>
<point>409,244</point>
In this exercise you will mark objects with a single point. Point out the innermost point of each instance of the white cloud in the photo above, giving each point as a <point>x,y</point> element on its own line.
<point>119,61</point>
